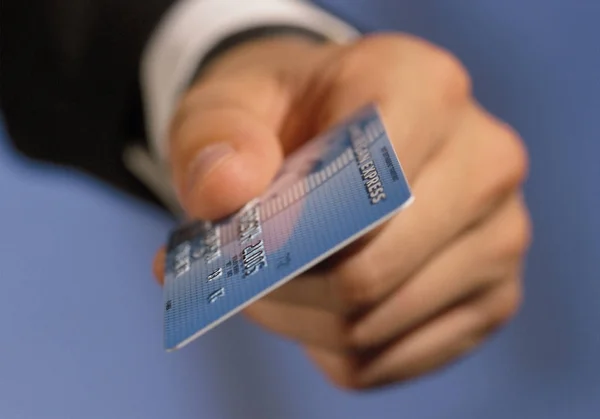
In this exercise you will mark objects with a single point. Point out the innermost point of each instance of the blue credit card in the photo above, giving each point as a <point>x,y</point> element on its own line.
<point>328,193</point>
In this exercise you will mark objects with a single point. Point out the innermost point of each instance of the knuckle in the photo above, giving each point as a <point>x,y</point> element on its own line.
<point>449,75</point>
<point>506,304</point>
<point>177,128</point>
<point>346,382</point>
<point>444,69</point>
<point>357,284</point>
<point>354,58</point>
<point>358,59</point>
<point>383,46</point>
<point>512,154</point>
<point>345,376</point>
<point>517,235</point>
<point>339,339</point>
<point>505,164</point>
<point>187,108</point>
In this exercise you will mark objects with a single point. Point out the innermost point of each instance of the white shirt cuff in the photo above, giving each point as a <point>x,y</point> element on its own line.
<point>192,28</point>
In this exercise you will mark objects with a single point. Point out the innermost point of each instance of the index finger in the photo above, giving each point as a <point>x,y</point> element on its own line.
<point>419,88</point>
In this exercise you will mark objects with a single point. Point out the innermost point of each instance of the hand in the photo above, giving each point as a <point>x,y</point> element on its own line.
<point>433,282</point>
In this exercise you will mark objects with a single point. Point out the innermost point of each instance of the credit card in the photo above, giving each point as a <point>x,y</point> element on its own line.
<point>328,193</point>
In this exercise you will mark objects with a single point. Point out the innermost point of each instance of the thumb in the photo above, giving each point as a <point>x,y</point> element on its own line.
<point>224,145</point>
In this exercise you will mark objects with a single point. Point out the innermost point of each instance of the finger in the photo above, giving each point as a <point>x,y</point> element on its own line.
<point>482,258</point>
<point>312,290</point>
<point>340,369</point>
<point>419,88</point>
<point>224,147</point>
<point>434,89</point>
<point>445,339</point>
<point>304,325</point>
<point>158,265</point>
<point>479,166</point>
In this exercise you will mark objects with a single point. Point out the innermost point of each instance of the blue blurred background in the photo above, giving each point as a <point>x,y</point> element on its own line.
<point>81,317</point>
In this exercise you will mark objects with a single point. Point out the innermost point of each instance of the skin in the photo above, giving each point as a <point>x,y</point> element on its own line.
<point>432,283</point>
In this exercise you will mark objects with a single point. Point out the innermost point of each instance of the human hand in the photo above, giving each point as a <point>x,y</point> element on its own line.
<point>433,282</point>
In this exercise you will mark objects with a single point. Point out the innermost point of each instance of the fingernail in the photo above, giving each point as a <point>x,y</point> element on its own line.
<point>205,161</point>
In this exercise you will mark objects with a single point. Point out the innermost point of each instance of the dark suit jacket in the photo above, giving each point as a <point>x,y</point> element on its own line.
<point>69,86</point>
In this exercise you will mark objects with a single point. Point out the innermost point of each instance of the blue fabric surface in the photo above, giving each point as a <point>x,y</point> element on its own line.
<point>81,319</point>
